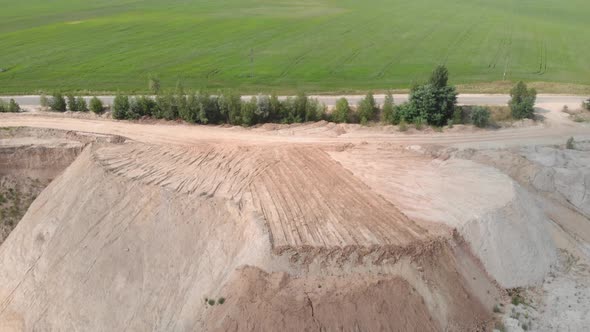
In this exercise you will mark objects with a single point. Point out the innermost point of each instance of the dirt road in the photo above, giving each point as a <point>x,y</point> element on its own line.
<point>556,128</point>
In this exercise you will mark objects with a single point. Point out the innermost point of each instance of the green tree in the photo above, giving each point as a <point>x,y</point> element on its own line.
<point>367,108</point>
<point>439,77</point>
<point>275,108</point>
<point>388,110</point>
<point>263,108</point>
<point>342,111</point>
<point>57,102</point>
<point>434,101</point>
<point>43,101</point>
<point>120,107</point>
<point>300,107</point>
<point>522,101</point>
<point>230,104</point>
<point>81,104</point>
<point>96,105</point>
<point>249,112</point>
<point>13,107</point>
<point>72,105</point>
<point>480,116</point>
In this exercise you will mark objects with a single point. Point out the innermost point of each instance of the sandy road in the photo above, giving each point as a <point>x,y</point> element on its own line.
<point>555,130</point>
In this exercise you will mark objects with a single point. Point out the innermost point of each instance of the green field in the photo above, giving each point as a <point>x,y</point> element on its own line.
<point>284,46</point>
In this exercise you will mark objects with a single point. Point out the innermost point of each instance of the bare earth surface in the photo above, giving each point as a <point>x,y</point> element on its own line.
<point>302,227</point>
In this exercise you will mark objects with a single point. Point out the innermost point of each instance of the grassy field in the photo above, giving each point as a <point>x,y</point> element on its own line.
<point>285,46</point>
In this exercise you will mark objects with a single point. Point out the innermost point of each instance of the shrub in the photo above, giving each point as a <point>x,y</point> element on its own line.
<point>366,108</point>
<point>211,302</point>
<point>403,126</point>
<point>43,101</point>
<point>263,108</point>
<point>72,106</point>
<point>81,105</point>
<point>450,123</point>
<point>166,107</point>
<point>300,107</point>
<point>10,106</point>
<point>480,116</point>
<point>342,111</point>
<point>249,112</point>
<point>134,109</point>
<point>221,300</point>
<point>120,107</point>
<point>57,103</point>
<point>458,115</point>
<point>316,110</point>
<point>229,105</point>
<point>419,123</point>
<point>388,110</point>
<point>570,143</point>
<point>96,105</point>
<point>522,101</point>
<point>275,108</point>
<point>586,104</point>
<point>434,102</point>
<point>13,106</point>
<point>497,309</point>
<point>406,112</point>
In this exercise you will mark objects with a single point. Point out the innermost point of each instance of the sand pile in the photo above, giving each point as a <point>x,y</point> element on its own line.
<point>116,243</point>
<point>502,222</point>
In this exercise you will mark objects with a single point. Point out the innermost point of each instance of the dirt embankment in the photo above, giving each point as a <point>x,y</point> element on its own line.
<point>28,163</point>
<point>137,237</point>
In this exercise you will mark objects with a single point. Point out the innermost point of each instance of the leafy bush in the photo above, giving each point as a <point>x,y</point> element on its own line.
<point>96,105</point>
<point>72,106</point>
<point>249,112</point>
<point>419,123</point>
<point>120,107</point>
<point>9,107</point>
<point>229,105</point>
<point>81,104</point>
<point>480,116</point>
<point>221,300</point>
<point>433,102</point>
<point>458,115</point>
<point>342,111</point>
<point>166,107</point>
<point>403,126</point>
<point>522,101</point>
<point>367,109</point>
<point>43,101</point>
<point>57,103</point>
<point>406,112</point>
<point>388,113</point>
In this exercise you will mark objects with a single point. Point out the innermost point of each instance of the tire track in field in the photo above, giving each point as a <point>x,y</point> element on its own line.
<point>410,47</point>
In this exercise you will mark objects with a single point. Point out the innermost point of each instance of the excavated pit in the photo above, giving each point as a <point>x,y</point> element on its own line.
<point>28,163</point>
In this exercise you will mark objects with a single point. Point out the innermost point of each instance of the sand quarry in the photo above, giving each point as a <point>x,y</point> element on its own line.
<point>146,226</point>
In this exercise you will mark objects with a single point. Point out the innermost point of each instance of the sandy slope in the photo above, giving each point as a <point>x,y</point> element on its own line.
<point>116,253</point>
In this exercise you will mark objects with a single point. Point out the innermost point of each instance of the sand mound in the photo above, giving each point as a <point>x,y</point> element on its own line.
<point>502,223</point>
<point>117,243</point>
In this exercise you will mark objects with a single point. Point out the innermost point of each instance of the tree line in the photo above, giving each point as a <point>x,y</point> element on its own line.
<point>432,103</point>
